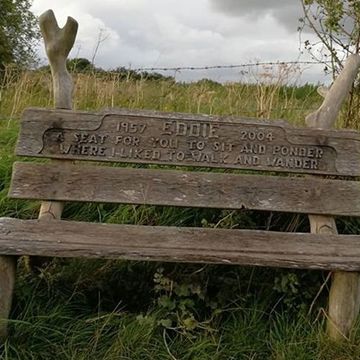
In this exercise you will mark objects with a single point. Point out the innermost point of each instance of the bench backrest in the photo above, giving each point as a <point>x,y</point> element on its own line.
<point>144,137</point>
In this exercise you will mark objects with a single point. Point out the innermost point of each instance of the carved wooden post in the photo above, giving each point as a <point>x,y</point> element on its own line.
<point>344,297</point>
<point>58,43</point>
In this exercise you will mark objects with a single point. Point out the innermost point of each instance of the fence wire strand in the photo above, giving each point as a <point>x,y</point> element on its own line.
<point>212,67</point>
<point>230,66</point>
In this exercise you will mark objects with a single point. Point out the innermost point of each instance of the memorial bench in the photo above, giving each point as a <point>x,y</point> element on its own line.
<point>186,141</point>
<point>142,137</point>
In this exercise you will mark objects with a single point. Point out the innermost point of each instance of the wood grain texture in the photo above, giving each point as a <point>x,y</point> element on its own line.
<point>325,117</point>
<point>344,304</point>
<point>198,245</point>
<point>188,140</point>
<point>344,297</point>
<point>7,283</point>
<point>66,182</point>
<point>58,43</point>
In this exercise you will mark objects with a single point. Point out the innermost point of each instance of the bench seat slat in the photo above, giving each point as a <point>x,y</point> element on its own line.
<point>198,245</point>
<point>66,182</point>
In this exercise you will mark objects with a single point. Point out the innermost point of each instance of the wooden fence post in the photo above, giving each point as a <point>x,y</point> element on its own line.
<point>344,297</point>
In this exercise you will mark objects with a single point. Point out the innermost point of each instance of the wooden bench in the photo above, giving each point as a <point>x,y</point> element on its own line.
<point>193,141</point>
<point>187,141</point>
<point>142,137</point>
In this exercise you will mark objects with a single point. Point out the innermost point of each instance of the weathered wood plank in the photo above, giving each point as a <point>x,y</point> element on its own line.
<point>7,282</point>
<point>199,245</point>
<point>58,44</point>
<point>188,140</point>
<point>326,115</point>
<point>66,182</point>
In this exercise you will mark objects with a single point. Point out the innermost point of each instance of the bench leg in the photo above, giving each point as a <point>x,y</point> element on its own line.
<point>7,281</point>
<point>344,304</point>
<point>344,297</point>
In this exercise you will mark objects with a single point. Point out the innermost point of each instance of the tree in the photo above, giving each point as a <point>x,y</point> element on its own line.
<point>80,65</point>
<point>336,24</point>
<point>18,33</point>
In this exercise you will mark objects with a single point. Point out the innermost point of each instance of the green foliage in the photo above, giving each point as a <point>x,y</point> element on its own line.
<point>70,311</point>
<point>18,33</point>
<point>84,66</point>
<point>123,73</point>
<point>80,65</point>
<point>179,303</point>
<point>336,23</point>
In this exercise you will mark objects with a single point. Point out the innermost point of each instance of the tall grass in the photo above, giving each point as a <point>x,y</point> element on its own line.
<point>77,309</point>
<point>266,98</point>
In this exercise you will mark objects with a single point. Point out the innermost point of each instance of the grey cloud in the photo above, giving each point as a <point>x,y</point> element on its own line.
<point>168,33</point>
<point>286,12</point>
<point>254,6</point>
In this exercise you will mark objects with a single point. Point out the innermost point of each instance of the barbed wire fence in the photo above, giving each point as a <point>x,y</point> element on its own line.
<point>221,66</point>
<point>174,71</point>
<point>319,71</point>
<point>230,66</point>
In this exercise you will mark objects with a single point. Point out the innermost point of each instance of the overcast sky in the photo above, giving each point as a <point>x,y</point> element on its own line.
<point>163,33</point>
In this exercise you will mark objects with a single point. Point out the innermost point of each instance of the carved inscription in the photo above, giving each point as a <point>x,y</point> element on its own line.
<point>189,142</point>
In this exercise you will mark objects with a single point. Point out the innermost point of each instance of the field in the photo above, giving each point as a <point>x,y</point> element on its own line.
<point>77,309</point>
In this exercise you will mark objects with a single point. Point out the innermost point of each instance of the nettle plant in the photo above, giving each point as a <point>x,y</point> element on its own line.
<point>179,302</point>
